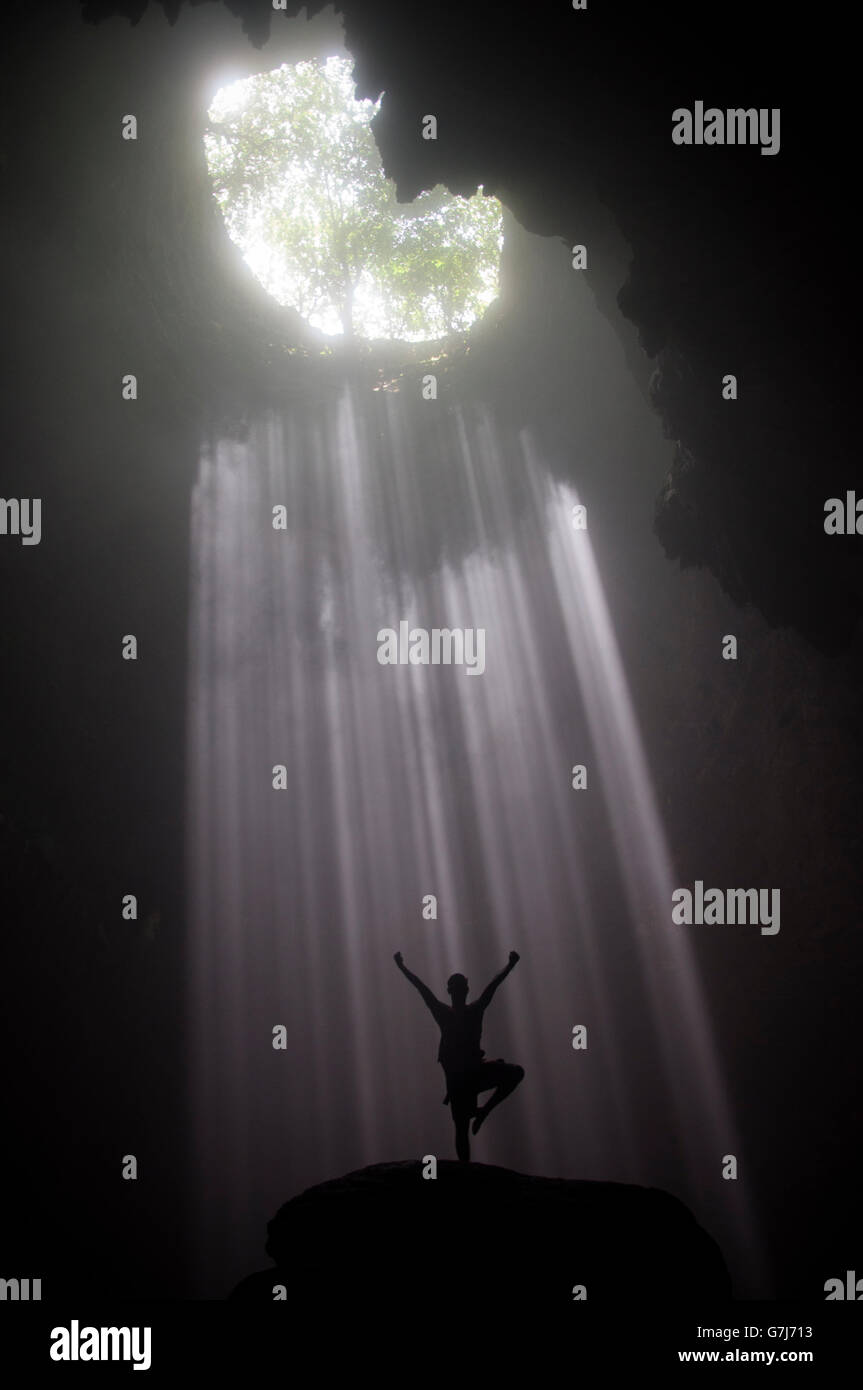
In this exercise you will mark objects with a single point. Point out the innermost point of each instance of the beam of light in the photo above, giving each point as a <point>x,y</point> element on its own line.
<point>405,781</point>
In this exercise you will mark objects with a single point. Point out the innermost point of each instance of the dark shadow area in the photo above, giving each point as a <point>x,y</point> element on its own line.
<point>483,1238</point>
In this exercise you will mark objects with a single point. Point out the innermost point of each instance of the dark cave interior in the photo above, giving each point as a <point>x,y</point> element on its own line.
<point>701,262</point>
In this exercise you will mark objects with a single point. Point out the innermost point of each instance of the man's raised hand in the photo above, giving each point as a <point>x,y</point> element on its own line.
<point>513,957</point>
<point>398,958</point>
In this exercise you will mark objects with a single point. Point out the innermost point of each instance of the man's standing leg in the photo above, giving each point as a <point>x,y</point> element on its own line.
<point>462,1099</point>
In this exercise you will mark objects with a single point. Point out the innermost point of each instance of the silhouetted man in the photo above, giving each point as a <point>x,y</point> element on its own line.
<point>461,1056</point>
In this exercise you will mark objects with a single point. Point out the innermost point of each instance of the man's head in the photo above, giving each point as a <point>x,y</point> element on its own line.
<point>457,988</point>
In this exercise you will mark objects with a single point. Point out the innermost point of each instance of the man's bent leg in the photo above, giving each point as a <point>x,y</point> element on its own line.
<point>504,1076</point>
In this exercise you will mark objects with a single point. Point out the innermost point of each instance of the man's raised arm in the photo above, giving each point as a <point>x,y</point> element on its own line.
<point>417,982</point>
<point>488,993</point>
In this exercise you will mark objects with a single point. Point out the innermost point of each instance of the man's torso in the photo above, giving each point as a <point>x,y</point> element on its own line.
<point>461,1031</point>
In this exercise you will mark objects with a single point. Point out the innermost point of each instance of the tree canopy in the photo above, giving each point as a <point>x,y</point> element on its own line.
<point>299,180</point>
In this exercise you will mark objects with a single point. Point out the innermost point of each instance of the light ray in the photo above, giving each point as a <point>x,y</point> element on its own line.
<point>411,780</point>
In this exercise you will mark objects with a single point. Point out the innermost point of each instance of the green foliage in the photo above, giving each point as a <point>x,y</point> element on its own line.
<point>299,180</point>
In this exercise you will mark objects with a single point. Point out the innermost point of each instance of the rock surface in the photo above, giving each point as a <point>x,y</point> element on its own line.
<point>386,1237</point>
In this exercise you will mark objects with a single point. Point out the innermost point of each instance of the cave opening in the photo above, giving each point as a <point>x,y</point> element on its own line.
<point>298,178</point>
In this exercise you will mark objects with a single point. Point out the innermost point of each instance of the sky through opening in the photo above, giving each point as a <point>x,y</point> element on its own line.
<point>298,178</point>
